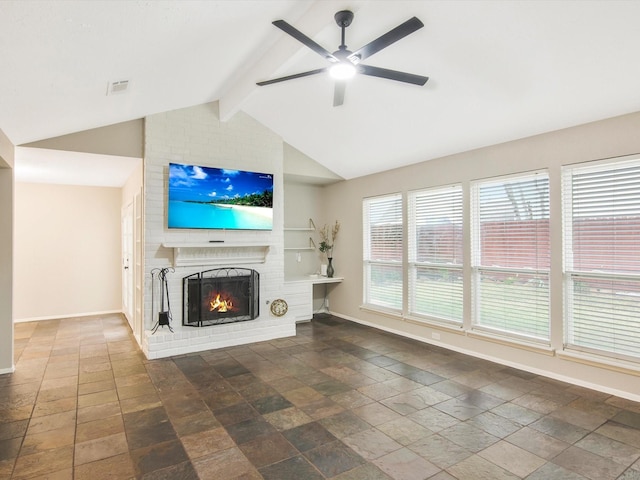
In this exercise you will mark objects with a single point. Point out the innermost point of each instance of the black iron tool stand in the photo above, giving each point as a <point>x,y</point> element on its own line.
<point>164,315</point>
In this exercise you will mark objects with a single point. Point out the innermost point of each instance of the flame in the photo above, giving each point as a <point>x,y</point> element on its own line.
<point>220,305</point>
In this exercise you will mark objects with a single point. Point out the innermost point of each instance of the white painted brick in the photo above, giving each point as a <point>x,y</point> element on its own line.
<point>195,135</point>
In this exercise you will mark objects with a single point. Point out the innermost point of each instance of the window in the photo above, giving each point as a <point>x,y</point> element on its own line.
<point>602,257</point>
<point>511,255</point>
<point>435,253</point>
<point>382,227</point>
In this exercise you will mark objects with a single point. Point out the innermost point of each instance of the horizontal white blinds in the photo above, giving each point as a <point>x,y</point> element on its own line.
<point>435,217</point>
<point>383,251</point>
<point>513,302</point>
<point>511,255</point>
<point>384,285</point>
<point>604,314</point>
<point>382,219</point>
<point>604,213</point>
<point>602,256</point>
<point>513,223</point>
<point>435,253</point>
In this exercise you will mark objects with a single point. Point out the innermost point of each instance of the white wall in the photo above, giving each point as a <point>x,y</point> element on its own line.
<point>132,186</point>
<point>196,136</point>
<point>303,169</point>
<point>301,202</point>
<point>6,253</point>
<point>304,180</point>
<point>124,139</point>
<point>609,138</point>
<point>67,252</point>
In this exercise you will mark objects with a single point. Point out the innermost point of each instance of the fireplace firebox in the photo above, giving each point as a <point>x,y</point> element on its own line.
<point>220,295</point>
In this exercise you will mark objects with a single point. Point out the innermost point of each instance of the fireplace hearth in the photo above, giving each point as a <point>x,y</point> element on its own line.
<point>220,295</point>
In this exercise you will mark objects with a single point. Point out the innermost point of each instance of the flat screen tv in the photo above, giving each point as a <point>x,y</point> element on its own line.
<point>219,198</point>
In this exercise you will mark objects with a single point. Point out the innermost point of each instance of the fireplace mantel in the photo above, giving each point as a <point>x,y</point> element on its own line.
<point>217,253</point>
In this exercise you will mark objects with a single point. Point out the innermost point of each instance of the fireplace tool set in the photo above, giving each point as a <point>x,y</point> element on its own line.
<point>164,315</point>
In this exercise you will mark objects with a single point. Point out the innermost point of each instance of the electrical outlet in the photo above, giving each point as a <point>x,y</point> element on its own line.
<point>435,335</point>
<point>298,257</point>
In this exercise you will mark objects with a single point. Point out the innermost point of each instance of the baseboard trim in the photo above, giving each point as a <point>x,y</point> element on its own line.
<point>11,369</point>
<point>69,315</point>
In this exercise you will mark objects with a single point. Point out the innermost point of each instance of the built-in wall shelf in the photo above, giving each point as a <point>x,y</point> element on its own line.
<point>296,239</point>
<point>311,246</point>
<point>311,227</point>
<point>217,253</point>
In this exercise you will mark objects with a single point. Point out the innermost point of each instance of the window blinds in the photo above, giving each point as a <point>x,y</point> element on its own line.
<point>511,255</point>
<point>602,257</point>
<point>383,251</point>
<point>435,253</point>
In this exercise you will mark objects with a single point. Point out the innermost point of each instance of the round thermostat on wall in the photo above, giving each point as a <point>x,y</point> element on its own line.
<point>279,307</point>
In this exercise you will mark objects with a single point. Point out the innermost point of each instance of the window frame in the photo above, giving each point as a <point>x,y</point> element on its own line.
<point>454,196</point>
<point>478,269</point>
<point>369,264</point>
<point>572,293</point>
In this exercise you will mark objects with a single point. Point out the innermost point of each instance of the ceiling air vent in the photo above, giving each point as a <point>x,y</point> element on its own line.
<point>117,87</point>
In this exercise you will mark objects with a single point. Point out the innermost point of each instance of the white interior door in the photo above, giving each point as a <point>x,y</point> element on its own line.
<point>138,275</point>
<point>128,262</point>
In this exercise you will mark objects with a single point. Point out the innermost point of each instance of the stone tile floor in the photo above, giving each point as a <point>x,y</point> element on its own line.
<point>338,401</point>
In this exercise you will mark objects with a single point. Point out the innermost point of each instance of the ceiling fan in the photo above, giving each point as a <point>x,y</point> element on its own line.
<point>345,63</point>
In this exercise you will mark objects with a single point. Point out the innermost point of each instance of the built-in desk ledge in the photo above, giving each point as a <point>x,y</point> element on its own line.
<point>313,279</point>
<point>217,253</point>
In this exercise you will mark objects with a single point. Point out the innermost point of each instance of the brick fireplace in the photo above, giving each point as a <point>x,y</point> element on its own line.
<point>196,135</point>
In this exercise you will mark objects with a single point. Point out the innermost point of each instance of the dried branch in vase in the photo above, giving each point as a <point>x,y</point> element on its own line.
<point>328,236</point>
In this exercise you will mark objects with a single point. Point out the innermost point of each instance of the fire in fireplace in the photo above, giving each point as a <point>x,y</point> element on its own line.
<point>221,295</point>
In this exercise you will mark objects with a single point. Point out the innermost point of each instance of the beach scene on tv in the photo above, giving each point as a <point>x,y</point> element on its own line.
<point>207,197</point>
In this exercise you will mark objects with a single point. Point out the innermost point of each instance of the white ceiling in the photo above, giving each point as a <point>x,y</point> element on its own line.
<point>499,70</point>
<point>41,165</point>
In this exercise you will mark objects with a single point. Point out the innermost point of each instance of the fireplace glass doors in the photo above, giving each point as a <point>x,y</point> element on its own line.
<point>221,295</point>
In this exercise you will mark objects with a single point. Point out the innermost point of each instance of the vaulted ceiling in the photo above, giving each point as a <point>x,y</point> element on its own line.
<point>499,70</point>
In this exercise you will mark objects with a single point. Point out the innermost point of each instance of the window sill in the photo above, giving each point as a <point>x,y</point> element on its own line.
<point>512,342</point>
<point>616,365</point>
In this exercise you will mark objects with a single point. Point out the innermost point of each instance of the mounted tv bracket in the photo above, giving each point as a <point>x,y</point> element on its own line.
<point>164,314</point>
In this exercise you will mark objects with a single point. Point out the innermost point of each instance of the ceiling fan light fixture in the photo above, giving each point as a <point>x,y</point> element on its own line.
<point>342,70</point>
<point>345,63</point>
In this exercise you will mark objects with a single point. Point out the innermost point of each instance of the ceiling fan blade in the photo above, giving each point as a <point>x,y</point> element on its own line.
<point>392,75</point>
<point>291,77</point>
<point>388,38</point>
<point>301,37</point>
<point>338,93</point>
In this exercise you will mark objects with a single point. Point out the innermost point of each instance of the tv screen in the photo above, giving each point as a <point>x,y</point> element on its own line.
<point>219,198</point>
